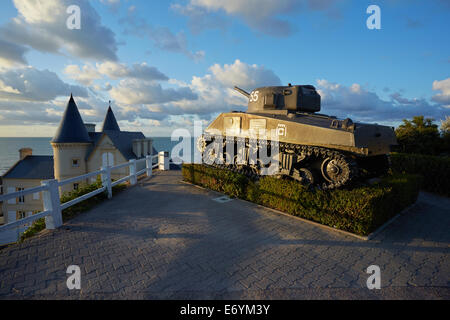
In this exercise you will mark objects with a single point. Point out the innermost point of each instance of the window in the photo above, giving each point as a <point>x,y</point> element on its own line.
<point>107,159</point>
<point>75,162</point>
<point>36,196</point>
<point>20,215</point>
<point>76,186</point>
<point>20,199</point>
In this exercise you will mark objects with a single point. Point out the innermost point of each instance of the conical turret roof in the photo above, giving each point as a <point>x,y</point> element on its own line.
<point>71,129</point>
<point>110,123</point>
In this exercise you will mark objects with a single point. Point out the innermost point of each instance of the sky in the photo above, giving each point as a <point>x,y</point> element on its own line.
<point>165,64</point>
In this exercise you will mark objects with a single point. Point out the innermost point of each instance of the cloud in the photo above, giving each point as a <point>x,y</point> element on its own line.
<point>162,37</point>
<point>215,90</point>
<point>266,16</point>
<point>200,19</point>
<point>30,84</point>
<point>11,54</point>
<point>41,25</point>
<point>244,75</point>
<point>133,91</point>
<point>136,71</point>
<point>114,70</point>
<point>444,87</point>
<point>85,75</point>
<point>362,105</point>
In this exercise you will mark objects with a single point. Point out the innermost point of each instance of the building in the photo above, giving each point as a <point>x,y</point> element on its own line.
<point>77,149</point>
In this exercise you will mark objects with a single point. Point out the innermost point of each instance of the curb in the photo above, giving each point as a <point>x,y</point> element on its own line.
<point>347,233</point>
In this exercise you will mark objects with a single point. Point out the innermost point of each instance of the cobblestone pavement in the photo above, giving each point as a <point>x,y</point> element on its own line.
<point>164,239</point>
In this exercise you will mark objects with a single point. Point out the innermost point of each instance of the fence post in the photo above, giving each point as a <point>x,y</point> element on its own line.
<point>52,203</point>
<point>133,179</point>
<point>149,165</point>
<point>106,180</point>
<point>163,161</point>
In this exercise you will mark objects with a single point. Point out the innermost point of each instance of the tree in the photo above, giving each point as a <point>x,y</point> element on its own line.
<point>419,135</point>
<point>445,126</point>
<point>445,131</point>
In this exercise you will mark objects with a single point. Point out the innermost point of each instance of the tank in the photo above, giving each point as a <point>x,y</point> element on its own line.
<point>313,148</point>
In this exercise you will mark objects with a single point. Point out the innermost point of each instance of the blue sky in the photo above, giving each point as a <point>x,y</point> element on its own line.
<point>165,64</point>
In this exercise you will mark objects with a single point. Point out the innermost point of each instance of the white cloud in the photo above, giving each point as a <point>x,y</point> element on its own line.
<point>114,70</point>
<point>363,105</point>
<point>266,16</point>
<point>215,90</point>
<point>132,91</point>
<point>85,75</point>
<point>444,87</point>
<point>42,26</point>
<point>30,84</point>
<point>141,71</point>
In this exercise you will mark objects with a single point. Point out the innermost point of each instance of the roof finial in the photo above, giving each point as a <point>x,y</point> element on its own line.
<point>110,103</point>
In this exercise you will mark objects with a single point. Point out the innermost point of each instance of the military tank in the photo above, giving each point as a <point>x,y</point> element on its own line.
<point>313,148</point>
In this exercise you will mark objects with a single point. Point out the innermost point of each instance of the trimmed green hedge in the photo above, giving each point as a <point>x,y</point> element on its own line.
<point>434,170</point>
<point>360,210</point>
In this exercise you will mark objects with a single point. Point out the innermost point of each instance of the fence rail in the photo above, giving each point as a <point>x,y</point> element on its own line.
<point>51,195</point>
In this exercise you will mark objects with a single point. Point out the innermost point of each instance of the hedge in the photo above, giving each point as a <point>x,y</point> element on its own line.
<point>434,170</point>
<point>359,210</point>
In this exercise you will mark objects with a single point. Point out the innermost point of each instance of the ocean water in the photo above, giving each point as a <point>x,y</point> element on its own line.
<point>9,148</point>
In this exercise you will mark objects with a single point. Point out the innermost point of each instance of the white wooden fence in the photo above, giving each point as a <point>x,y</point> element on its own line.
<point>51,197</point>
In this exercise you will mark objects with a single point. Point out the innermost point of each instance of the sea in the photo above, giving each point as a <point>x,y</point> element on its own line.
<point>9,148</point>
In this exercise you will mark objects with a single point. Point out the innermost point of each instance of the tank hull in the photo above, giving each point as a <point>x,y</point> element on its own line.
<point>313,148</point>
<point>310,130</point>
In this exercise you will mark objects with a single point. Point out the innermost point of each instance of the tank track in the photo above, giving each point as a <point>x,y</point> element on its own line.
<point>308,155</point>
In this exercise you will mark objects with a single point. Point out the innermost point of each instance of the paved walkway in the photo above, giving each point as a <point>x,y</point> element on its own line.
<point>166,239</point>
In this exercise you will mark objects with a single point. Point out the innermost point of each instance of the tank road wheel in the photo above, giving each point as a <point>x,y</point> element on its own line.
<point>201,144</point>
<point>210,156</point>
<point>336,171</point>
<point>305,176</point>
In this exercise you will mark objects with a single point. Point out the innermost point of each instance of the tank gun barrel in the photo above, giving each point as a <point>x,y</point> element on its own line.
<point>242,91</point>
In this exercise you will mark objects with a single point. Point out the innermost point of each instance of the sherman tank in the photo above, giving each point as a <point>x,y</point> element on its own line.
<point>313,148</point>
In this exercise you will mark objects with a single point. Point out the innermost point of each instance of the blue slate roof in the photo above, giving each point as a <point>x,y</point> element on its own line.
<point>71,129</point>
<point>32,167</point>
<point>122,140</point>
<point>110,122</point>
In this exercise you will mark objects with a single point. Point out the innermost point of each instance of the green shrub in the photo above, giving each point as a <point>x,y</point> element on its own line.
<point>435,171</point>
<point>361,209</point>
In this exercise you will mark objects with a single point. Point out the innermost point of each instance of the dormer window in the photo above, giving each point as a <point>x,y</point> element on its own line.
<point>75,163</point>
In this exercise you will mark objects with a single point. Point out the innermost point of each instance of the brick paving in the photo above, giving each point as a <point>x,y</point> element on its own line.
<point>164,239</point>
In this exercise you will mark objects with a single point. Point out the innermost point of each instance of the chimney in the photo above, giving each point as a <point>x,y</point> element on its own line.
<point>90,127</point>
<point>24,152</point>
<point>137,148</point>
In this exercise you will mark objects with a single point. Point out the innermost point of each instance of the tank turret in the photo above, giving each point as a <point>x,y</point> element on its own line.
<point>282,100</point>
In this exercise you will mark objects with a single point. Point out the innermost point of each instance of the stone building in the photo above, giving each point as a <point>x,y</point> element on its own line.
<point>77,149</point>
